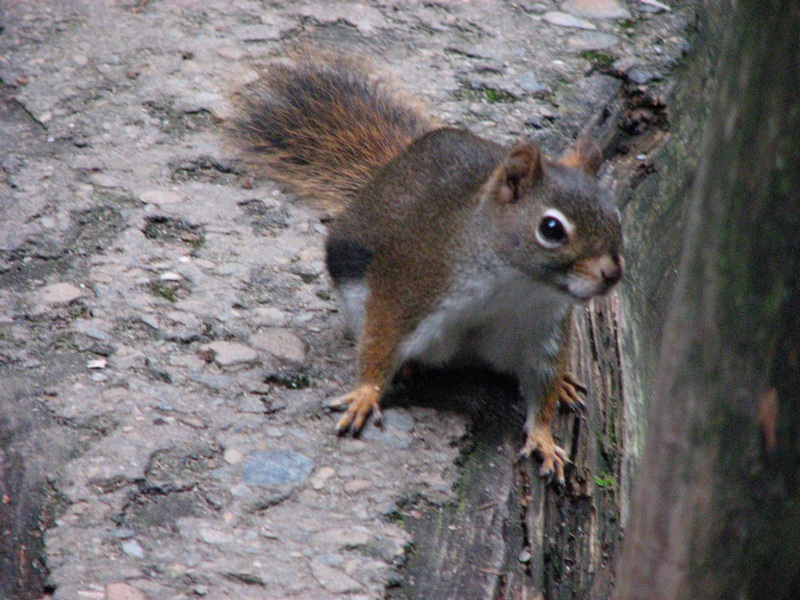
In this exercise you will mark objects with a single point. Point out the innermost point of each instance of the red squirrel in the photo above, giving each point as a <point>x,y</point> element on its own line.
<point>447,248</point>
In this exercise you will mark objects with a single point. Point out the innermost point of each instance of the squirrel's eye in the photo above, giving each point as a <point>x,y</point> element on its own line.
<point>552,231</point>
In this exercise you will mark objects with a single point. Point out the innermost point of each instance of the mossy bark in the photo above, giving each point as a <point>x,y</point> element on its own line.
<point>715,512</point>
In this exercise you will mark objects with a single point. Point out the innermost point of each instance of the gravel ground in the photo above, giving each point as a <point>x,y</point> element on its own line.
<point>168,334</point>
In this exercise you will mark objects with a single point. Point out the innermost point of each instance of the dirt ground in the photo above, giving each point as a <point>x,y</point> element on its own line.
<point>168,333</point>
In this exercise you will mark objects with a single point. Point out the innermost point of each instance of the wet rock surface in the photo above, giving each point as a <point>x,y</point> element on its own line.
<point>168,335</point>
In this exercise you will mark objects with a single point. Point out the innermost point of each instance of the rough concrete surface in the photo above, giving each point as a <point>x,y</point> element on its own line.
<point>168,334</point>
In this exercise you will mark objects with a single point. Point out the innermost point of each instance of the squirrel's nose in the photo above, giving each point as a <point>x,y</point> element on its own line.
<point>612,269</point>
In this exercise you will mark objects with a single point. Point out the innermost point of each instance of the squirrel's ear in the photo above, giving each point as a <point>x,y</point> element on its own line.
<point>520,169</point>
<point>584,156</point>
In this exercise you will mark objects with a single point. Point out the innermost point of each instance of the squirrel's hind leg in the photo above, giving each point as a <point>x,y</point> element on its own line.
<point>377,362</point>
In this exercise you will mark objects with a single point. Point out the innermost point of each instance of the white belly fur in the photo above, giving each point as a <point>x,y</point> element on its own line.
<point>512,324</point>
<point>354,299</point>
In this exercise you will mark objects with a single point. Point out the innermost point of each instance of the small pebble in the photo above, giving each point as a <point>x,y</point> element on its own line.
<point>356,486</point>
<point>653,6</point>
<point>214,536</point>
<point>276,468</point>
<point>133,548</point>
<point>228,354</point>
<point>59,293</point>
<point>123,591</point>
<point>639,76</point>
<point>565,20</point>
<point>530,84</point>
<point>160,197</point>
<point>123,534</point>
<point>232,456</point>
<point>283,344</point>
<point>333,579</point>
<point>321,477</point>
<point>591,40</point>
<point>596,9</point>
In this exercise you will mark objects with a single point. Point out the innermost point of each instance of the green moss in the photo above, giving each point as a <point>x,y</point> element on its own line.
<point>493,96</point>
<point>78,311</point>
<point>161,289</point>
<point>299,381</point>
<point>599,60</point>
<point>605,480</point>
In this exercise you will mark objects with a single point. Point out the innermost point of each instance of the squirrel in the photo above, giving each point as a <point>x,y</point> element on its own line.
<point>447,248</point>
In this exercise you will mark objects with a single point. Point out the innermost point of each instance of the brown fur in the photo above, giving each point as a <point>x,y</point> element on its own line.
<point>584,156</point>
<point>324,125</point>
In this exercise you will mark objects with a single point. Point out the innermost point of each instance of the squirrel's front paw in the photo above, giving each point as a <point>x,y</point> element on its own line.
<point>360,403</point>
<point>540,441</point>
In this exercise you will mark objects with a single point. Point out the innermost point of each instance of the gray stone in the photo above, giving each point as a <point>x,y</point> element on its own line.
<point>214,382</point>
<point>534,7</point>
<point>267,316</point>
<point>94,328</point>
<point>151,322</point>
<point>192,421</point>
<point>133,549</point>
<point>282,344</point>
<point>123,591</point>
<point>59,293</point>
<point>591,40</point>
<point>261,33</point>
<point>356,486</point>
<point>596,9</point>
<point>639,76</point>
<point>251,403</point>
<point>321,477</point>
<point>160,197</point>
<point>233,456</point>
<point>623,65</point>
<point>276,468</point>
<point>214,103</point>
<point>184,318</point>
<point>395,431</point>
<point>348,538</point>
<point>214,536</point>
<point>566,20</point>
<point>231,354</point>
<point>530,84</point>
<point>653,7</point>
<point>123,534</point>
<point>333,579</point>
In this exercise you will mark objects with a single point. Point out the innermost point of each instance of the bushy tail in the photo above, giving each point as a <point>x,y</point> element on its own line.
<point>324,125</point>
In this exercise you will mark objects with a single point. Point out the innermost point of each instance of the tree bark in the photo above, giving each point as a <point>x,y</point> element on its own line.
<point>716,510</point>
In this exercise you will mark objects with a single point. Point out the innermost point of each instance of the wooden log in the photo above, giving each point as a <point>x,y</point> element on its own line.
<point>715,512</point>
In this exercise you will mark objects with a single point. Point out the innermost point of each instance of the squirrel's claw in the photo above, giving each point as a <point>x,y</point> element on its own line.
<point>361,403</point>
<point>569,392</point>
<point>553,457</point>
